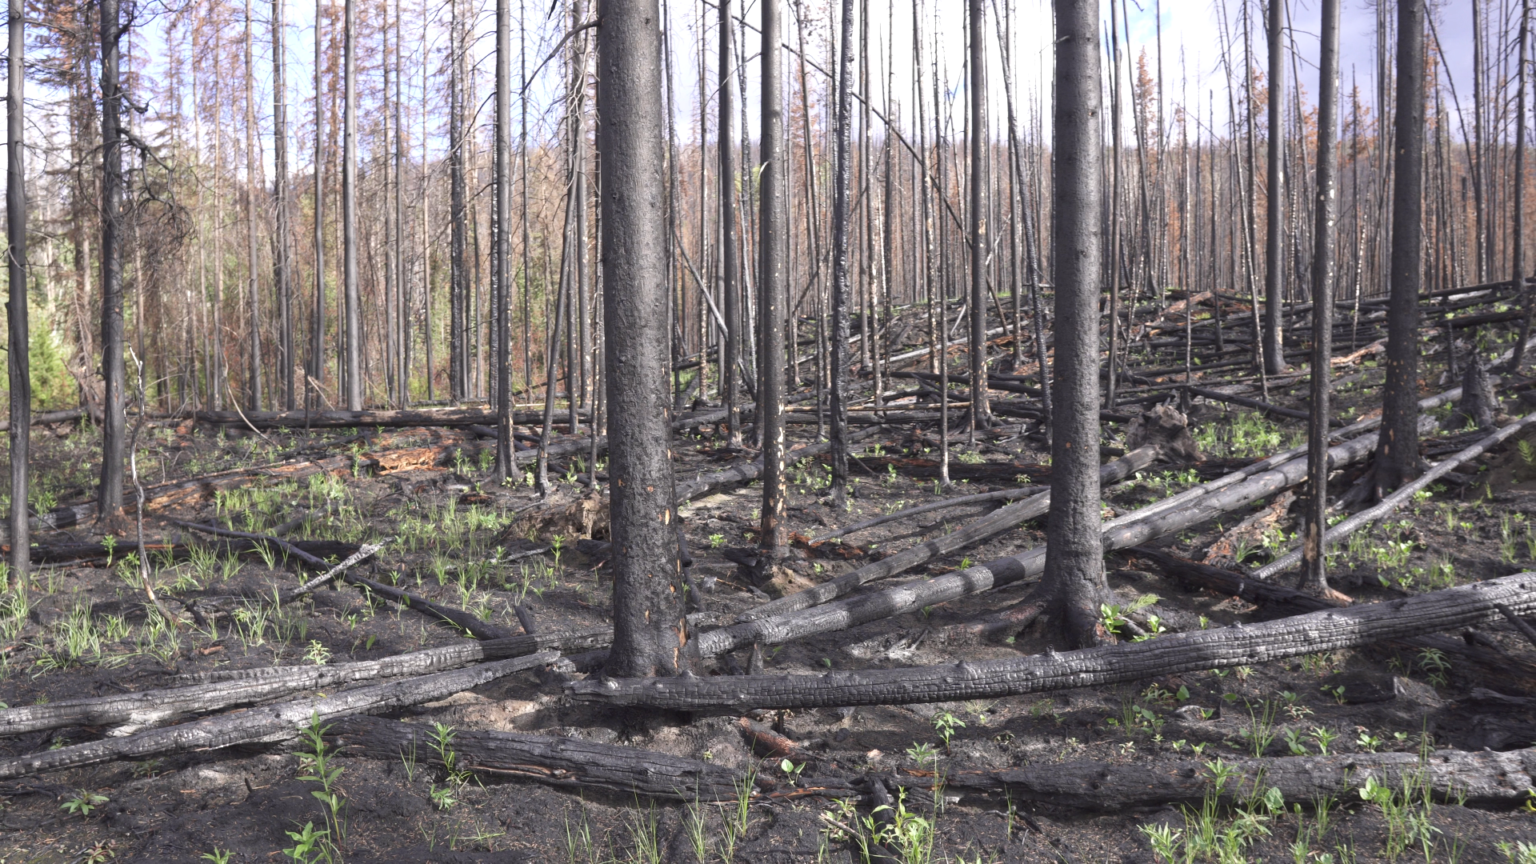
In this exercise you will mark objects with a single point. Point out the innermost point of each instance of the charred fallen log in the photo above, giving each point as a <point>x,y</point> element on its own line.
<point>1329,630</point>
<point>270,723</point>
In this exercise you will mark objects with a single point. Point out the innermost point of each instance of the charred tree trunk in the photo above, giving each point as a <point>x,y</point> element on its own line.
<point>730,373</point>
<point>771,287</point>
<point>501,245</point>
<point>16,305</point>
<point>1397,457</point>
<point>838,404</point>
<point>1274,229</point>
<point>282,262</point>
<point>317,319</point>
<point>649,628</point>
<point>352,299</point>
<point>257,395</point>
<point>109,499</point>
<point>1316,520</point>
<point>1518,248</point>
<point>1073,583</point>
<point>980,415</point>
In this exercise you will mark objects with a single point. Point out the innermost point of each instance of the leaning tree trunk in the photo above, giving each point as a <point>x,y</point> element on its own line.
<point>1397,456</point>
<point>16,306</point>
<point>1327,207</point>
<point>1073,582</point>
<point>648,625</point>
<point>109,499</point>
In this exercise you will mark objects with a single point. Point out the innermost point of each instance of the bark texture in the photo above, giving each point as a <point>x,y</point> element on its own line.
<point>649,628</point>
<point>1240,645</point>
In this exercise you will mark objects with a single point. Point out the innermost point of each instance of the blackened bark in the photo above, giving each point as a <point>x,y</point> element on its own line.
<point>317,320</point>
<point>1326,209</point>
<point>270,723</point>
<point>1274,229</point>
<point>16,306</point>
<point>1074,570</point>
<point>281,248</point>
<point>1517,249</point>
<point>501,248</point>
<point>1397,457</point>
<point>1226,647</point>
<point>838,406</point>
<point>649,628</point>
<point>730,373</point>
<point>980,249</point>
<point>458,270</point>
<point>256,398</point>
<point>771,289</point>
<point>352,300</point>
<point>109,498</point>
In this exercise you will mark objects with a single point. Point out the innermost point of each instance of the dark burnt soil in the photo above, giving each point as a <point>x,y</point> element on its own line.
<point>449,534</point>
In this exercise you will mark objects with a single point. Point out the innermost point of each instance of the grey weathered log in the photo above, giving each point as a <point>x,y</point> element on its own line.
<point>1519,624</point>
<point>269,723</point>
<point>1483,779</point>
<point>1329,630</point>
<point>977,531</point>
<point>227,688</point>
<point>449,656</point>
<point>362,554</point>
<point>1371,515</point>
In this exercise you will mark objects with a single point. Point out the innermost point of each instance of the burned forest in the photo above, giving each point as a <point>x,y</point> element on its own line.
<point>759,431</point>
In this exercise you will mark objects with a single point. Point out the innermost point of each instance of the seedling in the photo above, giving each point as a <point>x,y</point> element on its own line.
<point>83,803</point>
<point>945,724</point>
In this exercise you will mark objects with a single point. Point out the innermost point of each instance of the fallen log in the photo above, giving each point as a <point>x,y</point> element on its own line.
<point>449,656</point>
<point>1482,779</point>
<point>944,504</point>
<point>571,763</point>
<point>803,615</point>
<point>228,688</point>
<point>746,472</point>
<point>1267,408</point>
<point>43,418</point>
<point>974,532</point>
<point>1329,630</point>
<point>996,472</point>
<point>270,723</point>
<point>468,623</point>
<point>1374,514</point>
<point>1495,664</point>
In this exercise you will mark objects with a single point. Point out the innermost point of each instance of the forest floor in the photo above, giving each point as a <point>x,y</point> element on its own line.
<point>449,534</point>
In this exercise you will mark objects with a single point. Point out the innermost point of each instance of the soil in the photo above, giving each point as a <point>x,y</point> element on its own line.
<point>449,532</point>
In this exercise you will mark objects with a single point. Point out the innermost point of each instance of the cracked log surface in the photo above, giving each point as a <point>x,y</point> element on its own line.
<point>1240,645</point>
<point>271,722</point>
<point>218,689</point>
<point>1486,778</point>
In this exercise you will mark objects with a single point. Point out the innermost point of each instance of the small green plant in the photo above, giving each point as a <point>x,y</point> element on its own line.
<point>83,803</point>
<point>1115,618</point>
<point>1519,852</point>
<point>317,654</point>
<point>309,845</point>
<point>217,856</point>
<point>1324,738</point>
<point>716,541</point>
<point>317,761</point>
<point>945,723</point>
<point>1260,731</point>
<point>791,770</point>
<point>1433,662</point>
